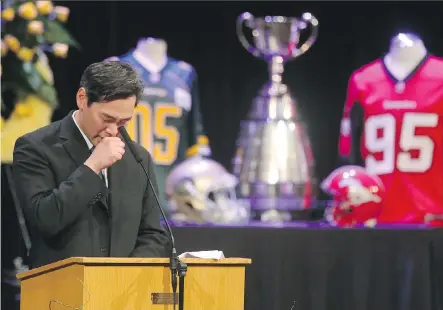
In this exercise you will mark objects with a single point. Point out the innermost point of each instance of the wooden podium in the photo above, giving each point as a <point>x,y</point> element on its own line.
<point>85,283</point>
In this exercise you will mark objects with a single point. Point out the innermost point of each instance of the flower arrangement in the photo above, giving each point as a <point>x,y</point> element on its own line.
<point>29,30</point>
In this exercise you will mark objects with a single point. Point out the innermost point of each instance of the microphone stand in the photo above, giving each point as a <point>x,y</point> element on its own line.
<point>182,268</point>
<point>177,267</point>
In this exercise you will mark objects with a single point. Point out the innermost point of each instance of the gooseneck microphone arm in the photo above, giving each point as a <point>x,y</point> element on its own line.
<point>176,266</point>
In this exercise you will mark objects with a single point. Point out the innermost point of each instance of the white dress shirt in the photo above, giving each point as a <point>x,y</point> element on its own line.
<point>90,146</point>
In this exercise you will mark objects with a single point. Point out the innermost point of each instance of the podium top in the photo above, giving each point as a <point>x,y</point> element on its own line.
<point>127,261</point>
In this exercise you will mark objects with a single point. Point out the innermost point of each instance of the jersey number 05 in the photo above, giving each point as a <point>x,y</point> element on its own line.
<point>149,128</point>
<point>399,156</point>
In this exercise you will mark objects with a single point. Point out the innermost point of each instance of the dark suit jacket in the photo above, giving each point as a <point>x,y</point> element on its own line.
<point>70,210</point>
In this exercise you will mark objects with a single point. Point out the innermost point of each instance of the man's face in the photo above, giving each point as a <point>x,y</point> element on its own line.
<point>102,119</point>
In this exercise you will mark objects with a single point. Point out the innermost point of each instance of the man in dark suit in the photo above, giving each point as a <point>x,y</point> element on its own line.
<point>81,189</point>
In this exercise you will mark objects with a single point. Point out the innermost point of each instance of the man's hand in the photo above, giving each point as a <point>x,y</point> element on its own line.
<point>105,154</point>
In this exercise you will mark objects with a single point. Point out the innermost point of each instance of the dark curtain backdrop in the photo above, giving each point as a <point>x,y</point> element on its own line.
<point>351,34</point>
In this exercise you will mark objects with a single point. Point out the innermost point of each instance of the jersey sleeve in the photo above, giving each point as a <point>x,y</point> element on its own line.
<point>351,126</point>
<point>356,124</point>
<point>197,139</point>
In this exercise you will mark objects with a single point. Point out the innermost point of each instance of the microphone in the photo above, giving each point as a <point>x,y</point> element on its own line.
<point>173,259</point>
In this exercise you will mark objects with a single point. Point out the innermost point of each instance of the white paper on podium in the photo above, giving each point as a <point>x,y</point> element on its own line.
<point>203,254</point>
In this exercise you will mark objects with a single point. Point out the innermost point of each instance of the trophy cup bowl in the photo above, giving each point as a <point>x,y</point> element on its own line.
<point>277,35</point>
<point>273,161</point>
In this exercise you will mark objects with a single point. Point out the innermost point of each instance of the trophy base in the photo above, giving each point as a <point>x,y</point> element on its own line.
<point>279,209</point>
<point>261,211</point>
<point>279,203</point>
<point>276,203</point>
<point>281,196</point>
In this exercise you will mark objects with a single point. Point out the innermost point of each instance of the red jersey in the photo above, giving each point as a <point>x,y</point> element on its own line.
<point>395,129</point>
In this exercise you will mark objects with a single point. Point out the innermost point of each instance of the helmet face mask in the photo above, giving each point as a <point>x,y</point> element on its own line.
<point>201,191</point>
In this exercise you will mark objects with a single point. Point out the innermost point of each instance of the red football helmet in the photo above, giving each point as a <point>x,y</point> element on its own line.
<point>358,197</point>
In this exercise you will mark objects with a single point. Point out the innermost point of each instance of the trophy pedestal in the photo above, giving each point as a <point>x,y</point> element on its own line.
<point>273,160</point>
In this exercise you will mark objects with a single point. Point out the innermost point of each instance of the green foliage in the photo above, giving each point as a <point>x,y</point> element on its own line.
<point>55,33</point>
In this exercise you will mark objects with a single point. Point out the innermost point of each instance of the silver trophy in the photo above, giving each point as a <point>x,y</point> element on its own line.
<point>273,160</point>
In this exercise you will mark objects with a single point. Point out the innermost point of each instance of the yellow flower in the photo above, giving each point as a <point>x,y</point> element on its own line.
<point>4,48</point>
<point>60,50</point>
<point>28,10</point>
<point>16,125</point>
<point>62,13</point>
<point>12,43</point>
<point>8,14</point>
<point>44,7</point>
<point>25,54</point>
<point>35,27</point>
<point>23,109</point>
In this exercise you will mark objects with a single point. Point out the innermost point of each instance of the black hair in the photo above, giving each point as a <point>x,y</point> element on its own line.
<point>111,80</point>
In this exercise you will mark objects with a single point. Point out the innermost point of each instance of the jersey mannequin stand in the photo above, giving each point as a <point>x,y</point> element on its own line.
<point>151,53</point>
<point>394,103</point>
<point>406,52</point>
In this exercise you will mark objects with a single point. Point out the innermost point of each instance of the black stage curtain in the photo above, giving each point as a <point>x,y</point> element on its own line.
<point>351,34</point>
<point>331,269</point>
<point>203,34</point>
